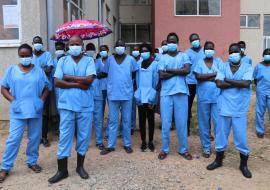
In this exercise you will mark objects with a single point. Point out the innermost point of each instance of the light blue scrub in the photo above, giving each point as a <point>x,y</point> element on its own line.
<point>233,105</point>
<point>25,111</point>
<point>194,58</point>
<point>262,75</point>
<point>207,94</point>
<point>120,95</point>
<point>99,85</point>
<point>174,99</point>
<point>247,59</point>
<point>75,106</point>
<point>146,80</point>
<point>45,59</point>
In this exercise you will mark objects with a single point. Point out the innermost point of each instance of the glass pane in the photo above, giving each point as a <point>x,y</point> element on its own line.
<point>128,33</point>
<point>209,7</point>
<point>135,2</point>
<point>253,20</point>
<point>7,32</point>
<point>186,7</point>
<point>243,21</point>
<point>266,28</point>
<point>143,33</point>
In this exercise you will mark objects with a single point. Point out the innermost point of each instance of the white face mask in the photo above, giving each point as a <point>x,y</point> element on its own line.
<point>59,53</point>
<point>91,53</point>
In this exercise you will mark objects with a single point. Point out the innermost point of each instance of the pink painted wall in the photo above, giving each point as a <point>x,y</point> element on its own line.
<point>221,30</point>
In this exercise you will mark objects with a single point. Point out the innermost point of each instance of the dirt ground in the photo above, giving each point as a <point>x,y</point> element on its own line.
<point>143,170</point>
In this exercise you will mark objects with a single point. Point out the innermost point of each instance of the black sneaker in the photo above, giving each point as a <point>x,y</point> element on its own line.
<point>128,150</point>
<point>106,151</point>
<point>100,146</point>
<point>151,146</point>
<point>143,146</point>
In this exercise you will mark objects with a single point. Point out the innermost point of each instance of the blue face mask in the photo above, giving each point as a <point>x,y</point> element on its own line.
<point>266,58</point>
<point>164,48</point>
<point>75,50</point>
<point>145,55</point>
<point>234,57</point>
<point>120,50</point>
<point>135,53</point>
<point>209,53</point>
<point>172,47</point>
<point>25,61</point>
<point>103,54</point>
<point>91,53</point>
<point>196,43</point>
<point>59,53</point>
<point>38,46</point>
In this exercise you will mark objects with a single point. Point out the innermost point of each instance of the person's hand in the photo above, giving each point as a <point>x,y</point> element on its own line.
<point>150,106</point>
<point>83,86</point>
<point>68,78</point>
<point>47,69</point>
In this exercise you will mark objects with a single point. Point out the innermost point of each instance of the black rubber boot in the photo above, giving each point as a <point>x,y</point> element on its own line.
<point>62,172</point>
<point>218,161</point>
<point>80,170</point>
<point>243,166</point>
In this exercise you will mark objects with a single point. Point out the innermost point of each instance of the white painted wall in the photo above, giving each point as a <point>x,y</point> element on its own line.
<point>254,37</point>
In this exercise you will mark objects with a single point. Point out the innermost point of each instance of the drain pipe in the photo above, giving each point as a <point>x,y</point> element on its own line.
<point>50,24</point>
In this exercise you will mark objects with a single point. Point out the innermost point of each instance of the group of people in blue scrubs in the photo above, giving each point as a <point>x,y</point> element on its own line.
<point>170,79</point>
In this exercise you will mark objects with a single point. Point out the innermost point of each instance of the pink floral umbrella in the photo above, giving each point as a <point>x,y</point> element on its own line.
<point>86,29</point>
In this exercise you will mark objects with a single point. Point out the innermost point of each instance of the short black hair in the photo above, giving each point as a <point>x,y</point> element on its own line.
<point>193,34</point>
<point>105,46</point>
<point>266,50</point>
<point>234,44</point>
<point>25,46</point>
<point>208,42</point>
<point>242,42</point>
<point>147,46</point>
<point>37,37</point>
<point>90,46</point>
<point>59,44</point>
<point>173,34</point>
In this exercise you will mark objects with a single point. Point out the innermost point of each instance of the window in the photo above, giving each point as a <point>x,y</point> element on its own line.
<point>10,22</point>
<point>266,31</point>
<point>135,2</point>
<point>198,7</point>
<point>134,34</point>
<point>73,10</point>
<point>250,21</point>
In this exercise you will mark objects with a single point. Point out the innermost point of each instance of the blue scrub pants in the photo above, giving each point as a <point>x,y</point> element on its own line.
<point>68,121</point>
<point>13,143</point>
<point>262,103</point>
<point>98,120</point>
<point>125,107</point>
<point>206,112</point>
<point>239,128</point>
<point>177,104</point>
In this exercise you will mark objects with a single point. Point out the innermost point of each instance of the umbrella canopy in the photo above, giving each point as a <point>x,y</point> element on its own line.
<point>86,29</point>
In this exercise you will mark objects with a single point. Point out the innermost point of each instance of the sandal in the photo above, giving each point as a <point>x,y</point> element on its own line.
<point>3,175</point>
<point>260,135</point>
<point>35,168</point>
<point>162,155</point>
<point>186,155</point>
<point>106,151</point>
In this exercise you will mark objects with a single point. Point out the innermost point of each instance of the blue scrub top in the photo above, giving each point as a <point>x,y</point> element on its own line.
<point>194,58</point>
<point>27,89</point>
<point>176,84</point>
<point>75,99</point>
<point>247,59</point>
<point>100,67</point>
<point>146,80</point>
<point>234,102</point>
<point>207,91</point>
<point>262,75</point>
<point>119,80</point>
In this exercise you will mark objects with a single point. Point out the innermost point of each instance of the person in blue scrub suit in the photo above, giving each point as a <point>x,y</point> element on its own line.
<point>73,76</point>
<point>207,94</point>
<point>262,81</point>
<point>195,54</point>
<point>25,86</point>
<point>100,96</point>
<point>173,69</point>
<point>234,80</point>
<point>245,58</point>
<point>145,95</point>
<point>44,60</point>
<point>119,69</point>
<point>90,50</point>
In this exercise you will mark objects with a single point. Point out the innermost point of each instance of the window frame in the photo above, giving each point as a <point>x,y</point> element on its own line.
<point>149,3</point>
<point>248,27</point>
<point>14,42</point>
<point>198,9</point>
